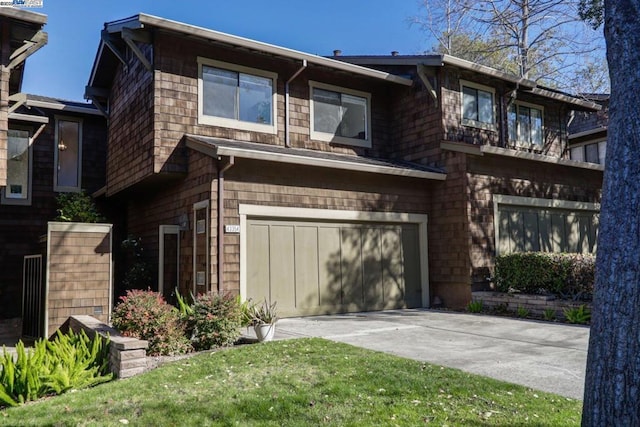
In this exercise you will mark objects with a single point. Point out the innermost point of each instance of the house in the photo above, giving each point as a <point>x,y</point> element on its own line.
<point>331,184</point>
<point>588,131</point>
<point>47,147</point>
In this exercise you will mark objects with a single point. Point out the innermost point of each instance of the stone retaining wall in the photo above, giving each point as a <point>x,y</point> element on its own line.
<point>127,356</point>
<point>536,304</point>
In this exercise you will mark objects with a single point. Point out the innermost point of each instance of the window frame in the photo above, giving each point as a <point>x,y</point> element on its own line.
<point>529,105</point>
<point>4,200</point>
<point>476,123</point>
<point>329,137</point>
<point>63,188</point>
<point>236,123</point>
<point>583,145</point>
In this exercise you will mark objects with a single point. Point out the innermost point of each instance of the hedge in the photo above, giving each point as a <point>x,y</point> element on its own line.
<point>564,275</point>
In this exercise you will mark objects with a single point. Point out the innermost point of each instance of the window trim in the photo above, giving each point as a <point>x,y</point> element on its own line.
<point>233,123</point>
<point>518,143</point>
<point>329,137</point>
<point>475,123</point>
<point>61,188</point>
<point>4,200</point>
<point>584,144</point>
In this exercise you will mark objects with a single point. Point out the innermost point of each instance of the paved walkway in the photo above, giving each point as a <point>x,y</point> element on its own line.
<point>541,355</point>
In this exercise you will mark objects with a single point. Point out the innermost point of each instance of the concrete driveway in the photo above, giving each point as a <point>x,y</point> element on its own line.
<point>541,355</point>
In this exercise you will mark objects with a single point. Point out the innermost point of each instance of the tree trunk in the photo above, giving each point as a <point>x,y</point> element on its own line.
<point>612,388</point>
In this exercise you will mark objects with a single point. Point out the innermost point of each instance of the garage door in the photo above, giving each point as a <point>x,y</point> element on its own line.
<point>547,229</point>
<point>325,267</point>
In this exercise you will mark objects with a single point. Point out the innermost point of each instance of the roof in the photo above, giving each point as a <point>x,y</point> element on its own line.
<point>105,59</point>
<point>29,106</point>
<point>23,15</point>
<point>276,153</point>
<point>437,60</point>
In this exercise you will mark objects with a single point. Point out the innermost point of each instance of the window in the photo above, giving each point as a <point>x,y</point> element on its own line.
<point>525,124</point>
<point>340,115</point>
<point>236,97</point>
<point>19,164</point>
<point>592,153</point>
<point>477,105</point>
<point>68,155</point>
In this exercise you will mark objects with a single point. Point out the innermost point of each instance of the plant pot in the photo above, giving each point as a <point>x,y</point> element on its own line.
<point>265,331</point>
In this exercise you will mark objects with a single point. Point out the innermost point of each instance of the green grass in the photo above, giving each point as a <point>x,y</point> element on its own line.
<point>297,383</point>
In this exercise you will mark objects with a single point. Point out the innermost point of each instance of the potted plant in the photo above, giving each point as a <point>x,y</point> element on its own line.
<point>263,318</point>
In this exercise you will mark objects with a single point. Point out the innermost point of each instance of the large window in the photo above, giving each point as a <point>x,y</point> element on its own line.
<point>237,97</point>
<point>525,124</point>
<point>68,155</point>
<point>19,164</point>
<point>592,152</point>
<point>477,105</point>
<point>340,115</point>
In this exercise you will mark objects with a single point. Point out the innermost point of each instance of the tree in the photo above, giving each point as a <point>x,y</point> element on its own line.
<point>542,39</point>
<point>612,388</point>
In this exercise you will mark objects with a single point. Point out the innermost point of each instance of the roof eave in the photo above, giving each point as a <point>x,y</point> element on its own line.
<point>24,15</point>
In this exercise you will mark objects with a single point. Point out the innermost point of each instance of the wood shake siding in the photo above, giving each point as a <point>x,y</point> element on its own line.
<point>4,118</point>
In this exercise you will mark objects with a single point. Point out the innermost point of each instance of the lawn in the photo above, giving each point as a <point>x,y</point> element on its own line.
<point>297,383</point>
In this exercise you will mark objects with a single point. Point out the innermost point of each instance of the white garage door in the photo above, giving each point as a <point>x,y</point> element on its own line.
<point>313,267</point>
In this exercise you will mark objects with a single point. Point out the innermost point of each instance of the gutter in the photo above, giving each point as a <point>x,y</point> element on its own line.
<point>287,139</point>
<point>223,166</point>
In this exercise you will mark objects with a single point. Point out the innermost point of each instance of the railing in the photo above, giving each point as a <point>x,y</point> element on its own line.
<point>32,297</point>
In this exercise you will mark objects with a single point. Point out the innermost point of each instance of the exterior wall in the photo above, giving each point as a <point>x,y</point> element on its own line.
<point>22,226</point>
<point>587,120</point>
<point>131,136</point>
<point>491,175</point>
<point>79,273</point>
<point>4,121</point>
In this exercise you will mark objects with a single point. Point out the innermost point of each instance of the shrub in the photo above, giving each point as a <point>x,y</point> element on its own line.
<point>577,315</point>
<point>565,275</point>
<point>77,207</point>
<point>146,315</point>
<point>522,312</point>
<point>475,306</point>
<point>549,314</point>
<point>215,321</point>
<point>69,361</point>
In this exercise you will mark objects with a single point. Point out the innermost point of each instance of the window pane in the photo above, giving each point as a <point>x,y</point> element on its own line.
<point>354,117</point>
<point>255,99</point>
<point>485,107</point>
<point>602,151</point>
<point>219,92</point>
<point>524,132</point>
<point>591,151</point>
<point>577,154</point>
<point>17,165</point>
<point>512,123</point>
<point>469,103</point>
<point>326,111</point>
<point>536,126</point>
<point>68,154</point>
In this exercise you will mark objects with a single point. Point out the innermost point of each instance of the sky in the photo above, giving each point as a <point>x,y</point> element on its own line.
<point>61,68</point>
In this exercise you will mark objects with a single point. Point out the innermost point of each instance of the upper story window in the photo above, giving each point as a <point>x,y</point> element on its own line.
<point>478,106</point>
<point>68,155</point>
<point>19,168</point>
<point>525,124</point>
<point>340,115</point>
<point>592,152</point>
<point>236,97</point>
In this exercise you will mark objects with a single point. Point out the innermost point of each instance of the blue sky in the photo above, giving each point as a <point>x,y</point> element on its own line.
<point>61,68</point>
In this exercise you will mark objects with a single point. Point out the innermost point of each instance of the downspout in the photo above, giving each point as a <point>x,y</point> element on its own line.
<point>222,167</point>
<point>287,141</point>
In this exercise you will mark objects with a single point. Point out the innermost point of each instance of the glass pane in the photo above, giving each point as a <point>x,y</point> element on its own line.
<point>512,123</point>
<point>591,151</point>
<point>354,117</point>
<point>469,103</point>
<point>17,165</point>
<point>219,92</point>
<point>577,154</point>
<point>255,99</point>
<point>68,154</point>
<point>485,107</point>
<point>524,132</point>
<point>602,151</point>
<point>536,126</point>
<point>326,111</point>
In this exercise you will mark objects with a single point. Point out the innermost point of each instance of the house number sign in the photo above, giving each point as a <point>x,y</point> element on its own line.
<point>231,228</point>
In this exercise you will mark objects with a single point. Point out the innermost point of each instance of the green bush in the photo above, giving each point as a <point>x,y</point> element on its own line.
<point>70,361</point>
<point>77,207</point>
<point>215,321</point>
<point>146,315</point>
<point>475,306</point>
<point>565,275</point>
<point>577,315</point>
